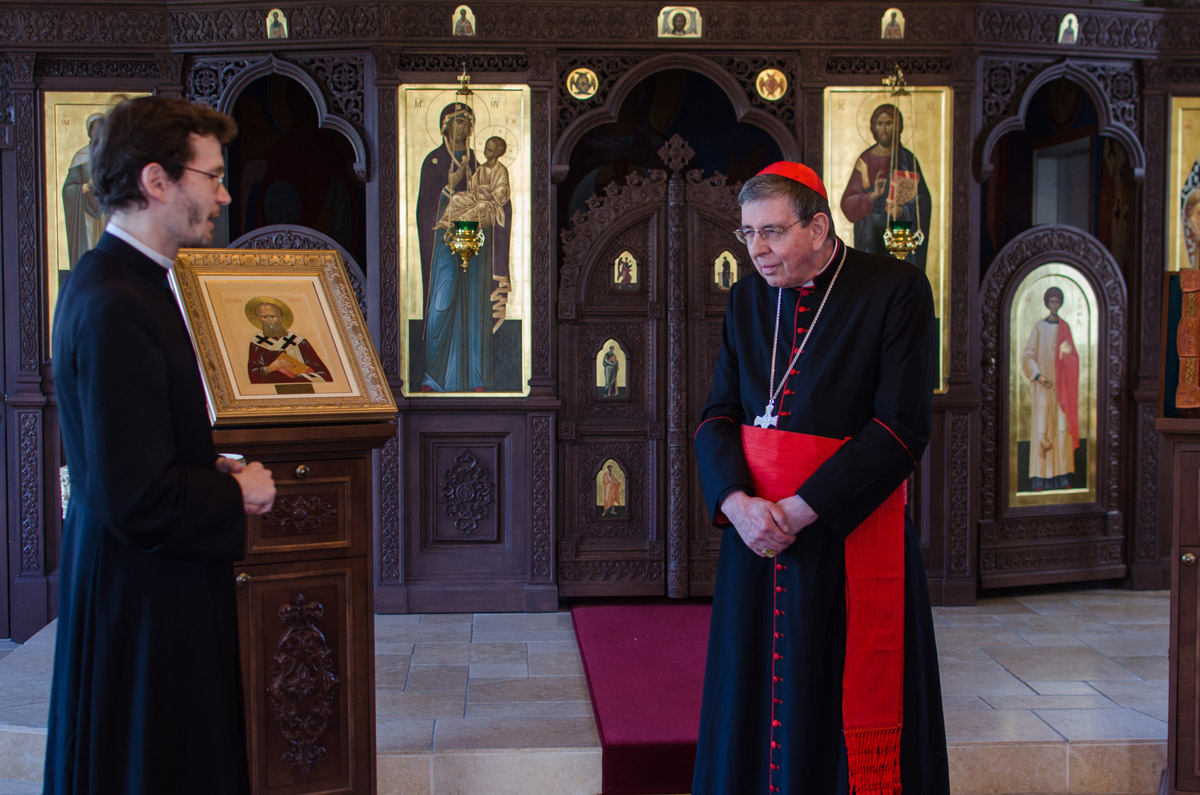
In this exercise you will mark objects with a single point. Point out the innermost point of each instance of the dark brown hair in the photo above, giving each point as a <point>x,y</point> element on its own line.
<point>806,200</point>
<point>147,130</point>
<point>897,119</point>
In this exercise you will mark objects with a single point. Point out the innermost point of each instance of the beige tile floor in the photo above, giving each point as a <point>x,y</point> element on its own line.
<point>1061,692</point>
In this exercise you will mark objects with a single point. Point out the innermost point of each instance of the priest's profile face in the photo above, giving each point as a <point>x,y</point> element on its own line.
<point>790,253</point>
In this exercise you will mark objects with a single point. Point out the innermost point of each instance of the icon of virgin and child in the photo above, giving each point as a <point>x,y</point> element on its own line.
<point>463,306</point>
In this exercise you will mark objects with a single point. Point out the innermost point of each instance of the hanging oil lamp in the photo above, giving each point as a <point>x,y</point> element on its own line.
<point>901,237</point>
<point>465,237</point>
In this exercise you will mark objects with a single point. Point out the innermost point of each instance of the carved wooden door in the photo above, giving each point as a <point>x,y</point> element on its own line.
<point>645,275</point>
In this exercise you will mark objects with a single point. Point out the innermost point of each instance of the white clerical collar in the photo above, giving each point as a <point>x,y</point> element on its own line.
<point>832,254</point>
<point>117,231</point>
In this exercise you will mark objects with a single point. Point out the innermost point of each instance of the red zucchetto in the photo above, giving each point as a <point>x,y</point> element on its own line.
<point>798,172</point>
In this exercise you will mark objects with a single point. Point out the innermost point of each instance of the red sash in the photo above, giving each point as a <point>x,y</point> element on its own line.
<point>873,679</point>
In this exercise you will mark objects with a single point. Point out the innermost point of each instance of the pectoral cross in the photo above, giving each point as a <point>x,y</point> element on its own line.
<point>767,419</point>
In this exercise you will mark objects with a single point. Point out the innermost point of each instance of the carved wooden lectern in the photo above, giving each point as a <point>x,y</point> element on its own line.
<point>306,609</point>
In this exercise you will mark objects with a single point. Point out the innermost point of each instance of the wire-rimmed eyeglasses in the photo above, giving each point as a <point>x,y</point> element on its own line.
<point>768,234</point>
<point>220,178</point>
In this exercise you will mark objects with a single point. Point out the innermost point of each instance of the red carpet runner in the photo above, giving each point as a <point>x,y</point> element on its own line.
<point>645,669</point>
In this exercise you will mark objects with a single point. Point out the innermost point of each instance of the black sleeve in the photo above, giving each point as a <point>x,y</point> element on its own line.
<point>133,481</point>
<point>718,443</point>
<point>875,461</point>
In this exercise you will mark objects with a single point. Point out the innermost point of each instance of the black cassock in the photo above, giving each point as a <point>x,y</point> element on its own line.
<point>864,376</point>
<point>146,696</point>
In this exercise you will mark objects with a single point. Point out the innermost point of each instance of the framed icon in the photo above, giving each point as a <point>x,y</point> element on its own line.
<point>1052,365</point>
<point>864,128</point>
<point>465,326</point>
<point>279,336</point>
<point>74,219</point>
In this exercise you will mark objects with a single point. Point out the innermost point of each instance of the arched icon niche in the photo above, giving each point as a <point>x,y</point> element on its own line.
<point>625,272</point>
<point>1053,342</point>
<point>611,492</point>
<point>611,368</point>
<point>725,270</point>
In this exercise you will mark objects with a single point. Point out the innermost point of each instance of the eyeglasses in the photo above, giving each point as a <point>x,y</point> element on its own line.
<point>767,234</point>
<point>220,178</point>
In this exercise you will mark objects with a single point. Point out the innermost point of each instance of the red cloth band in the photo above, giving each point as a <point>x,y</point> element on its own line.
<point>873,678</point>
<point>1066,379</point>
<point>799,173</point>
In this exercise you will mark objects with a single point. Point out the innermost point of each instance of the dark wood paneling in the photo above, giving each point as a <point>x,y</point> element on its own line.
<point>307,649</point>
<point>1183,754</point>
<point>1050,543</point>
<point>467,543</point>
<point>356,53</point>
<point>306,610</point>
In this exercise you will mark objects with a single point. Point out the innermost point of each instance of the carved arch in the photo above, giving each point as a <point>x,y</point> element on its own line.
<point>292,237</point>
<point>589,230</point>
<point>325,120</point>
<point>626,83</point>
<point>1028,250</point>
<point>1108,122</point>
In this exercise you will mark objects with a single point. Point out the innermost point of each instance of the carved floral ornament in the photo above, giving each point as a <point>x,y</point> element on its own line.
<point>467,492</point>
<point>301,514</point>
<point>303,684</point>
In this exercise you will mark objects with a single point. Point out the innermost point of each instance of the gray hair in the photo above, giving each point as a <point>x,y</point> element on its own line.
<point>806,201</point>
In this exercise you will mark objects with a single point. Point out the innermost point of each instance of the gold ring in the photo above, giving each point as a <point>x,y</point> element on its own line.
<point>768,553</point>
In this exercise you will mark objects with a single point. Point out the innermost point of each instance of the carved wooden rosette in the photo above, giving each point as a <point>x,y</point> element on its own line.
<point>303,684</point>
<point>300,514</point>
<point>467,492</point>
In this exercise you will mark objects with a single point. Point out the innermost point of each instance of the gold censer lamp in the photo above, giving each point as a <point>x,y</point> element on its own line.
<point>464,239</point>
<point>900,240</point>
